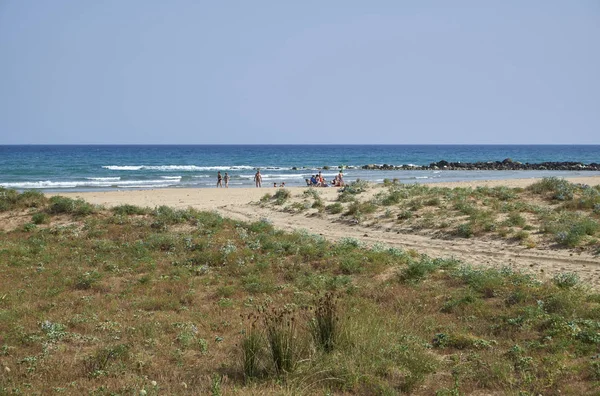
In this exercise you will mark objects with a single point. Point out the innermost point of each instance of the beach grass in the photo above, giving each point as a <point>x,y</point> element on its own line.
<point>178,301</point>
<point>551,213</point>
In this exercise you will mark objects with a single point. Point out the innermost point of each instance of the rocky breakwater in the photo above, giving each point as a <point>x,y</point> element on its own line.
<point>507,164</point>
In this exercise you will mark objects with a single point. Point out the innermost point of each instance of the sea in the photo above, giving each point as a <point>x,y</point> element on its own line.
<point>56,168</point>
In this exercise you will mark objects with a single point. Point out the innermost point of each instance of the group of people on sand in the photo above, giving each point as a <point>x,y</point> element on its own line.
<point>318,180</point>
<point>221,179</point>
<point>315,180</point>
<point>257,179</point>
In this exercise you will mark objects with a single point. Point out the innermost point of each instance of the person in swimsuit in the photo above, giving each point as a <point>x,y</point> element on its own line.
<point>226,180</point>
<point>219,179</point>
<point>258,178</point>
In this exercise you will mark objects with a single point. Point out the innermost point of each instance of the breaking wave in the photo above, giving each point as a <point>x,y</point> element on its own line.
<point>188,168</point>
<point>91,183</point>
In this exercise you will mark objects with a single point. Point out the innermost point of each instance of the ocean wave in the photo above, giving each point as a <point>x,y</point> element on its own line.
<point>103,178</point>
<point>171,177</point>
<point>275,176</point>
<point>117,167</point>
<point>189,168</point>
<point>94,183</point>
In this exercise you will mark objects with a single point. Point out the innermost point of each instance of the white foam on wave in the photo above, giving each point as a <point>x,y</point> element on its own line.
<point>117,167</point>
<point>275,176</point>
<point>171,177</point>
<point>189,168</point>
<point>104,178</point>
<point>95,183</point>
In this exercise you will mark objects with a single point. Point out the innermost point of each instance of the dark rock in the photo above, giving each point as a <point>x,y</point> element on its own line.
<point>506,164</point>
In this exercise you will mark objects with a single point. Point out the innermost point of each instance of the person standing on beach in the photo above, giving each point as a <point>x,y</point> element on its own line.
<point>340,179</point>
<point>219,179</point>
<point>226,180</point>
<point>258,178</point>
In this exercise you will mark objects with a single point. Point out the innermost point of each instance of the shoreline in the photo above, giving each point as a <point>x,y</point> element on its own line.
<point>213,198</point>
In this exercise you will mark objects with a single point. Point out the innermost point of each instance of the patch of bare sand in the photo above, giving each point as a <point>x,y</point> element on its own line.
<point>241,203</point>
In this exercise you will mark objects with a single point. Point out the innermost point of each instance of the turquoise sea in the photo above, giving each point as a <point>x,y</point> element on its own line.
<point>96,167</point>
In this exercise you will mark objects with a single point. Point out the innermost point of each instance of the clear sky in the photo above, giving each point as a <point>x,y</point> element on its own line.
<point>256,72</point>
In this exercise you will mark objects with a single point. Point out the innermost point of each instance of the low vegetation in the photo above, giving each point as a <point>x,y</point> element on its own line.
<point>550,213</point>
<point>164,301</point>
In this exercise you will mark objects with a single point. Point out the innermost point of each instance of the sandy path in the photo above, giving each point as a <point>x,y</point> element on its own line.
<point>240,203</point>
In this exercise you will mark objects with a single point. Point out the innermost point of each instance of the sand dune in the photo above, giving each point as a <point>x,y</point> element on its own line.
<point>241,203</point>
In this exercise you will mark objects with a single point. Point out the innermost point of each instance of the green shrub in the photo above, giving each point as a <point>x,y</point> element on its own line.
<point>32,199</point>
<point>451,305</point>
<point>347,193</point>
<point>465,207</point>
<point>465,230</point>
<point>501,192</point>
<point>334,208</point>
<point>485,281</point>
<point>324,327</point>
<point>11,199</point>
<point>405,215</point>
<point>283,339</point>
<point>460,341</point>
<point>416,271</point>
<point>566,280</point>
<point>351,265</point>
<point>559,189</point>
<point>515,219</point>
<point>296,207</point>
<point>588,199</point>
<point>358,208</point>
<point>563,303</point>
<point>394,195</point>
<point>99,362</point>
<point>282,195</point>
<point>256,284</point>
<point>40,218</point>
<point>64,205</point>
<point>28,227</point>
<point>252,350</point>
<point>168,215</point>
<point>570,229</point>
<point>86,280</point>
<point>263,227</point>
<point>266,198</point>
<point>311,193</point>
<point>8,198</point>
<point>127,209</point>
<point>522,235</point>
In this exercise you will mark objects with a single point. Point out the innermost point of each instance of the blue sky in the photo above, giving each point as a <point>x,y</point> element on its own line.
<point>258,72</point>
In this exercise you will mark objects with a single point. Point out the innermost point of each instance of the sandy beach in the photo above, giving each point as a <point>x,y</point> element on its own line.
<point>242,204</point>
